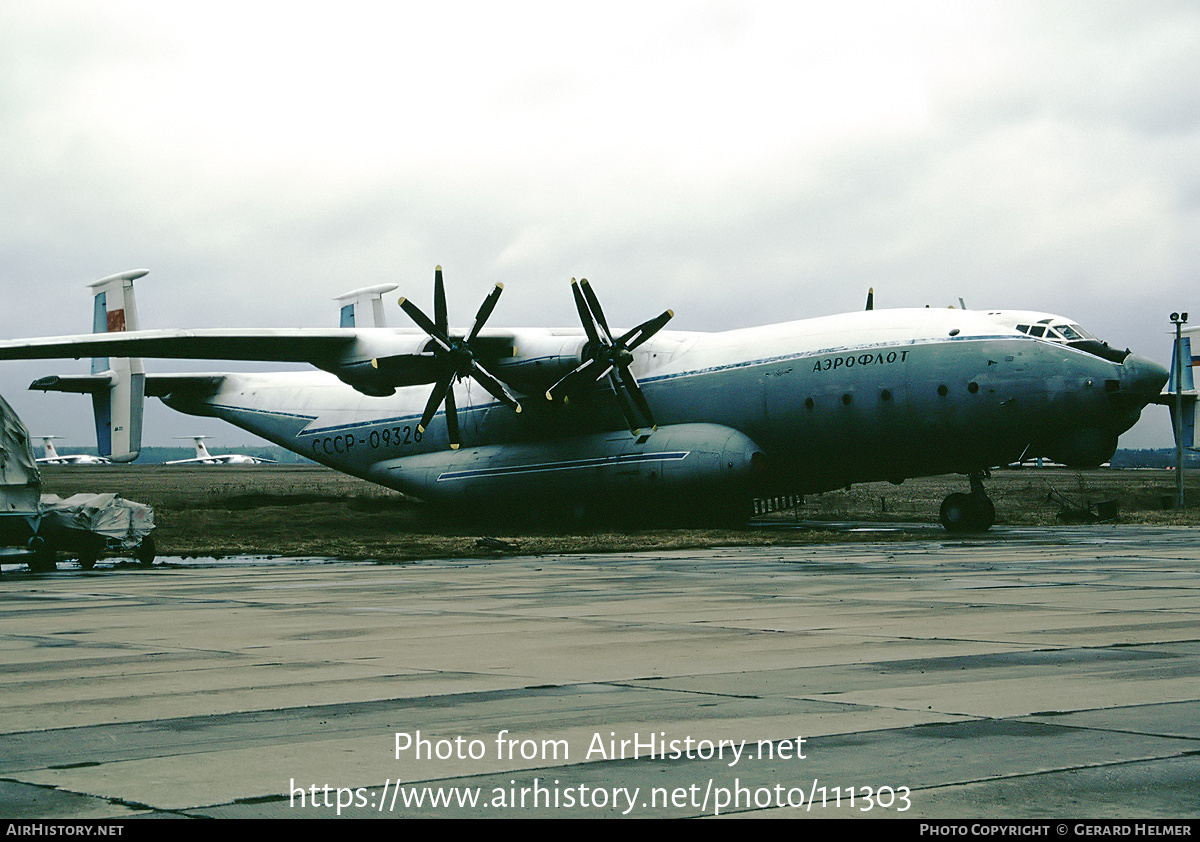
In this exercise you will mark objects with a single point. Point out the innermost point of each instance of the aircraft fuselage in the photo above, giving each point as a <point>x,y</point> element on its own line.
<point>798,407</point>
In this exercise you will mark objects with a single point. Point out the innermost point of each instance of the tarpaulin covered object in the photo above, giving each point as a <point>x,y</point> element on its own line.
<point>20,480</point>
<point>121,523</point>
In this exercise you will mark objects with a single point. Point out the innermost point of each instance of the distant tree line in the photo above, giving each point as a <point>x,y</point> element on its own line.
<point>1158,457</point>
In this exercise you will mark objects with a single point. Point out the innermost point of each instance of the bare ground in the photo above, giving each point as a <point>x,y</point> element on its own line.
<point>308,510</point>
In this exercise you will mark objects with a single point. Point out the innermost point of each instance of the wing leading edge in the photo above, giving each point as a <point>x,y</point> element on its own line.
<point>345,352</point>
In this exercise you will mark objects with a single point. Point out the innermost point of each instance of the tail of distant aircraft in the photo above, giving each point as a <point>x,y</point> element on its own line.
<point>1183,361</point>
<point>48,445</point>
<point>118,407</point>
<point>201,450</point>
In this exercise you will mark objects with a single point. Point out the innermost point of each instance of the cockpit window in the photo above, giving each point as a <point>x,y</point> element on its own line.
<point>1073,335</point>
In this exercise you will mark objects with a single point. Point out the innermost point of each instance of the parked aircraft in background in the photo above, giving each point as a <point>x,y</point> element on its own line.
<point>53,457</point>
<point>203,457</point>
<point>644,419</point>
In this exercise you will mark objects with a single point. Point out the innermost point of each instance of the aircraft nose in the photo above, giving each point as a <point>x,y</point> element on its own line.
<point>1142,378</point>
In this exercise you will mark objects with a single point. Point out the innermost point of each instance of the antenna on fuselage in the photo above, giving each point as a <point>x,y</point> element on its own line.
<point>870,299</point>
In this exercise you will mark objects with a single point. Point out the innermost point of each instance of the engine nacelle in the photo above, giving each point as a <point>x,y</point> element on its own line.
<point>539,361</point>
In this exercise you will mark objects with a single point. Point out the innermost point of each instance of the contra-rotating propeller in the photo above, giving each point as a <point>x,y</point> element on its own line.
<point>608,357</point>
<point>454,358</point>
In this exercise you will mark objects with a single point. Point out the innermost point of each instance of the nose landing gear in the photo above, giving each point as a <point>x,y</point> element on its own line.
<point>972,512</point>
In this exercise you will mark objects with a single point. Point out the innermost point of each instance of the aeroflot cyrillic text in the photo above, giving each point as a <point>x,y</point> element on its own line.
<point>852,360</point>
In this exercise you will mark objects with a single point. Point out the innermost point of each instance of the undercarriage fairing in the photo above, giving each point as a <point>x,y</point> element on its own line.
<point>704,465</point>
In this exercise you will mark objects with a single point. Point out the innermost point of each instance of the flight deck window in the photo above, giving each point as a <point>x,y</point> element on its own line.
<point>1037,330</point>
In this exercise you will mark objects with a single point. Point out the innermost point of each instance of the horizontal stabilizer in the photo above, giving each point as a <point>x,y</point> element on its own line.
<point>84,384</point>
<point>157,385</point>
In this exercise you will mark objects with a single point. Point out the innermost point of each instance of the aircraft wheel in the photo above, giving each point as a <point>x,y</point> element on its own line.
<point>146,552</point>
<point>984,515</point>
<point>90,551</point>
<point>968,513</point>
<point>956,513</point>
<point>44,559</point>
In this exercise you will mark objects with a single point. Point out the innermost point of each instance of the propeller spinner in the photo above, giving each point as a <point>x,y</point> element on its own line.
<point>608,357</point>
<point>454,358</point>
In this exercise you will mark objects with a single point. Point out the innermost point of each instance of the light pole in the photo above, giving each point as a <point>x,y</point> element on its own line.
<point>1179,320</point>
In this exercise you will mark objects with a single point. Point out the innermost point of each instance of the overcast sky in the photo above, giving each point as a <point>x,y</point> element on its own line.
<point>738,162</point>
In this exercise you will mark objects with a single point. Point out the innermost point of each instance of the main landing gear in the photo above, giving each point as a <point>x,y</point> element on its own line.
<point>972,512</point>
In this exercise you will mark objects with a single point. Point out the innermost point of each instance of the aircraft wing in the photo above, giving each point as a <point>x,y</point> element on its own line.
<point>373,360</point>
<point>347,352</point>
<point>304,345</point>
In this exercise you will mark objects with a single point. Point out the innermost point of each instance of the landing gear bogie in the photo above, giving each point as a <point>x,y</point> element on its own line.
<point>972,512</point>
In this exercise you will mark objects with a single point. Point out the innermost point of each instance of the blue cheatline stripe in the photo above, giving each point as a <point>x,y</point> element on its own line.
<point>570,465</point>
<point>799,355</point>
<point>842,349</point>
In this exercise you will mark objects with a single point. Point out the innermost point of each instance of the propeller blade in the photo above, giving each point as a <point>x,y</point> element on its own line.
<point>645,330</point>
<point>414,312</point>
<point>613,357</point>
<point>485,310</point>
<point>440,390</point>
<point>439,302</point>
<point>635,392</point>
<point>453,359</point>
<point>623,400</point>
<point>870,299</point>
<point>594,306</point>
<point>494,386</point>
<point>452,418</point>
<point>567,382</point>
<point>585,315</point>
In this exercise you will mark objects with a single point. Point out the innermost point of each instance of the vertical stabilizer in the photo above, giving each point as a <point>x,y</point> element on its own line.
<point>364,307</point>
<point>1183,362</point>
<point>118,409</point>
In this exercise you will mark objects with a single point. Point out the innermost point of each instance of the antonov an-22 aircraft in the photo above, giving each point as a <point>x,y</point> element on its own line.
<point>646,419</point>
